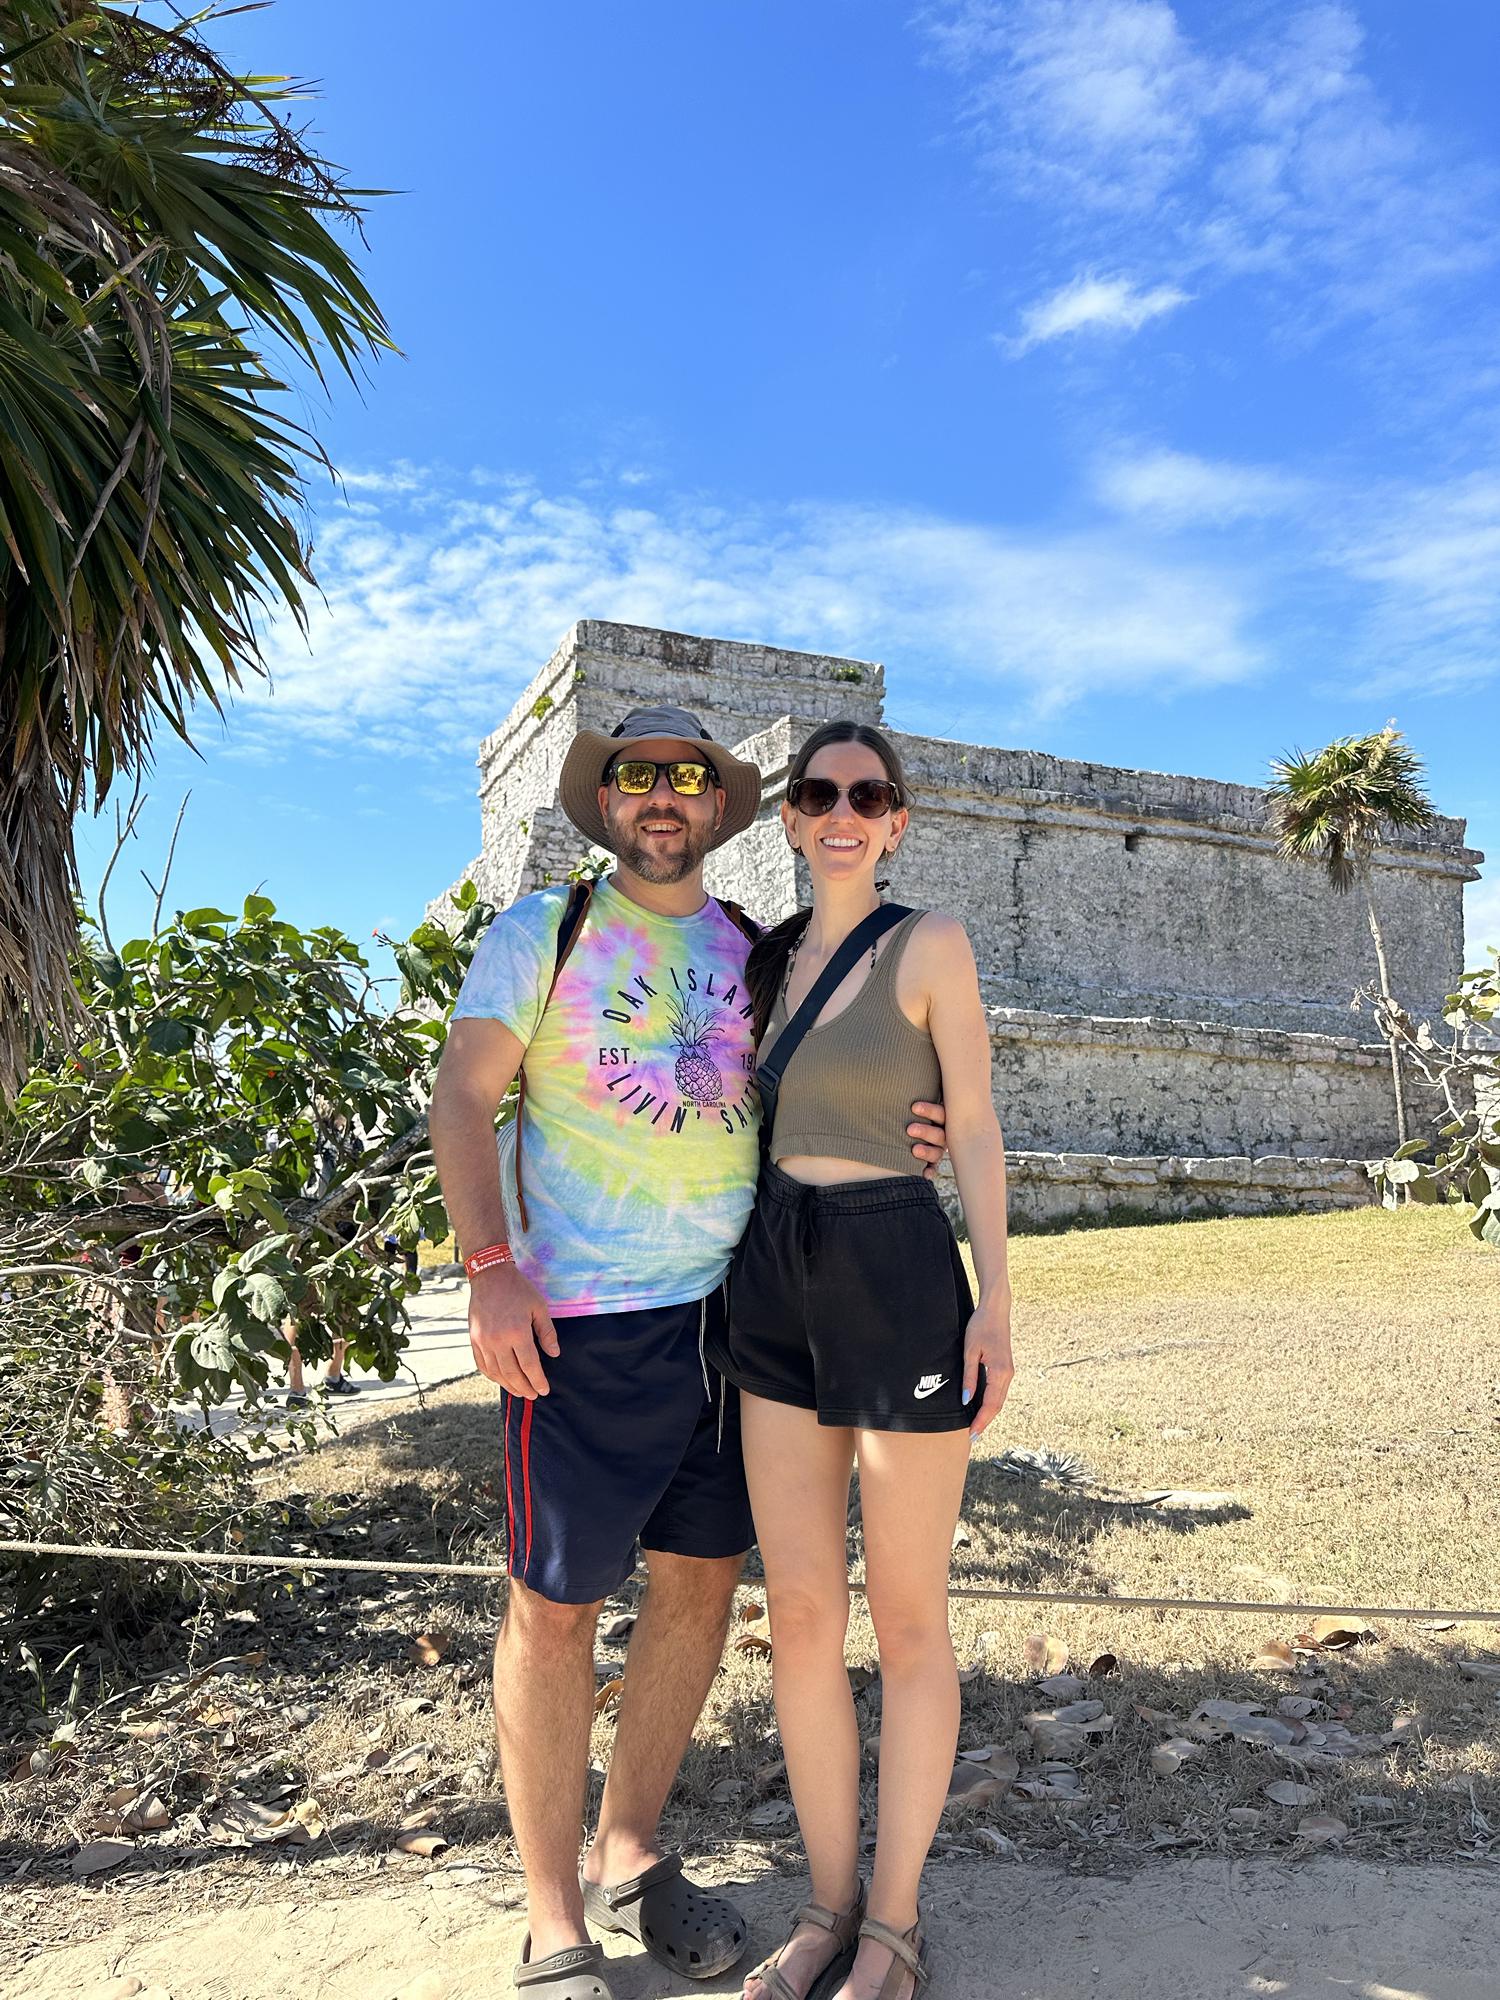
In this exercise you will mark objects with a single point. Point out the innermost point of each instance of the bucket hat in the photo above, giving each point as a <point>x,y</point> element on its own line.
<point>591,753</point>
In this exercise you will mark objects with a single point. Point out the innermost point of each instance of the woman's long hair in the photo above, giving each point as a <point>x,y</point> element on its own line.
<point>765,969</point>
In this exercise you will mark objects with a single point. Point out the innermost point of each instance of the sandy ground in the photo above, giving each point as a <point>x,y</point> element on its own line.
<point>1177,1930</point>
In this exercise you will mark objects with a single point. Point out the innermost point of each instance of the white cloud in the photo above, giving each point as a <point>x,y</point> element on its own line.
<point>1276,158</point>
<point>1429,561</point>
<point>1093,305</point>
<point>440,603</point>
<point>1175,488</point>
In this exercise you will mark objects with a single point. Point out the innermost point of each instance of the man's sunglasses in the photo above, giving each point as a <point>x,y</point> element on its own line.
<point>871,798</point>
<point>636,777</point>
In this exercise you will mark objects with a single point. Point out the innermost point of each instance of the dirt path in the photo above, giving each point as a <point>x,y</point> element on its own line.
<point>1328,1929</point>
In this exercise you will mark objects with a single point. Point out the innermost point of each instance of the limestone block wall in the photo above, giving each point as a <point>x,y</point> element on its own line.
<point>1076,1084</point>
<point>758,871</point>
<point>1091,890</point>
<point>1048,1189</point>
<point>599,671</point>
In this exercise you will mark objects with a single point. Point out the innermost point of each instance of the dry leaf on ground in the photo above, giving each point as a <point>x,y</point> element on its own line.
<point>1333,1634</point>
<point>430,1649</point>
<point>775,1812</point>
<point>1045,1655</point>
<point>753,1642</point>
<point>1168,1758</point>
<point>1275,1656</point>
<point>973,1785</point>
<point>1320,1828</point>
<point>1062,1687</point>
<point>1480,1670</point>
<point>415,1841</point>
<point>236,1821</point>
<point>1287,1792</point>
<point>611,1691</point>
<point>97,1855</point>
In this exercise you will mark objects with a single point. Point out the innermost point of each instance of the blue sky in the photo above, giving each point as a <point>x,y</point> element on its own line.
<point>1122,374</point>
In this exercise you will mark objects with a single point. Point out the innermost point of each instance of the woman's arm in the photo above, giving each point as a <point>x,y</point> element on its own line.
<point>961,1036</point>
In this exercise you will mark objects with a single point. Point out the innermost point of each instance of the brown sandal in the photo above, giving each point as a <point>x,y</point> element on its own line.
<point>845,1929</point>
<point>909,1953</point>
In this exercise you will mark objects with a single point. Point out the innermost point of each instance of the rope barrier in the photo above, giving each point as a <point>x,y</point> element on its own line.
<point>1247,1606</point>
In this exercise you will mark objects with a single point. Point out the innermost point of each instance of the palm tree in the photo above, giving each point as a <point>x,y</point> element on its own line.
<point>161,224</point>
<point>1333,806</point>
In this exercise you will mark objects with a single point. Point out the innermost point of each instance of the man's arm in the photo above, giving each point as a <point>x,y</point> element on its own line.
<point>508,1317</point>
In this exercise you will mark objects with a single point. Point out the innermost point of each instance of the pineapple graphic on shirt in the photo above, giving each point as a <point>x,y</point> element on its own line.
<point>696,1072</point>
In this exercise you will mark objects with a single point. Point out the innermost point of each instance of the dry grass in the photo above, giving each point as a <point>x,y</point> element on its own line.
<point>1338,1376</point>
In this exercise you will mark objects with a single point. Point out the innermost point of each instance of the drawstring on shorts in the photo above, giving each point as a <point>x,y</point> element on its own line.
<point>703,1358</point>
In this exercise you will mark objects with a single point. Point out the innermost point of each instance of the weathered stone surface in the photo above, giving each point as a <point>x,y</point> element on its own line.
<point>1170,1026</point>
<point>1056,1187</point>
<point>1080,1084</point>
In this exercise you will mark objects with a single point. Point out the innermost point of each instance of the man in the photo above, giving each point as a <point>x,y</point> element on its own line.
<point>593,1280</point>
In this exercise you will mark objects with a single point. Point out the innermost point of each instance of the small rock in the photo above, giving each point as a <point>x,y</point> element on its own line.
<point>124,1988</point>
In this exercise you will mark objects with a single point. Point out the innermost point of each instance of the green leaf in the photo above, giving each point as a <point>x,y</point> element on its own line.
<point>264,1296</point>
<point>1410,1150</point>
<point>169,1037</point>
<point>258,908</point>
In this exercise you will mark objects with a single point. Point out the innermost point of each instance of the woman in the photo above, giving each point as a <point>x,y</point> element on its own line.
<point>853,1338</point>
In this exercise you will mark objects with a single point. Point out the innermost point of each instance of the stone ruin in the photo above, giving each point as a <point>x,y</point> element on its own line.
<point>1169,999</point>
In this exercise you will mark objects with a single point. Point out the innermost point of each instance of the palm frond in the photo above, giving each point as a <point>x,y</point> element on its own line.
<point>1332,805</point>
<point>163,229</point>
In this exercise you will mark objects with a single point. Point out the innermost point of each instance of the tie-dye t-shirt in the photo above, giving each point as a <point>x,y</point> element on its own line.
<point>640,1148</point>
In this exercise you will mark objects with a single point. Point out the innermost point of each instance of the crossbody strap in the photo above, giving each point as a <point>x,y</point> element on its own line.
<point>574,911</point>
<point>768,1073</point>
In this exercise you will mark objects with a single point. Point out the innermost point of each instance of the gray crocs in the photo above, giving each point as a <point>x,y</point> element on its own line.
<point>691,1930</point>
<point>574,1974</point>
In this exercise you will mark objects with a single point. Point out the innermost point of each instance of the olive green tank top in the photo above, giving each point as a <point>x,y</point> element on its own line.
<point>848,1090</point>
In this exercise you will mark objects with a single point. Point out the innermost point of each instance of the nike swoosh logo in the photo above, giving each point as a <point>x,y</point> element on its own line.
<point>921,1393</point>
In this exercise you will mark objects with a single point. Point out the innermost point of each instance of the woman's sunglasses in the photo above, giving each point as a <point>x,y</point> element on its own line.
<point>871,798</point>
<point>636,777</point>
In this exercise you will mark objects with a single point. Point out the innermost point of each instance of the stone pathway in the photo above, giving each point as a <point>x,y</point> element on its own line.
<point>438,1351</point>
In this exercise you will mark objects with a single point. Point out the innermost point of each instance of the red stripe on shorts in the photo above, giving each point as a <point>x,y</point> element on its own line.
<point>506,1399</point>
<point>526,1476</point>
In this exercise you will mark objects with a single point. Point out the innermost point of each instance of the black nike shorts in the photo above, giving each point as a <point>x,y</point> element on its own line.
<point>850,1300</point>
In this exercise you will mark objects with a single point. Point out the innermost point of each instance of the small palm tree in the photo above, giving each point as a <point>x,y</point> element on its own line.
<point>1333,807</point>
<point>162,228</point>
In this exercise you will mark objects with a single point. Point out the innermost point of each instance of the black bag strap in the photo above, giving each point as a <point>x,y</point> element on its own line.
<point>746,926</point>
<point>575,909</point>
<point>768,1073</point>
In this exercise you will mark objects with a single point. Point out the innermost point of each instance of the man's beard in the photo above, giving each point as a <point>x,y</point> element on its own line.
<point>642,859</point>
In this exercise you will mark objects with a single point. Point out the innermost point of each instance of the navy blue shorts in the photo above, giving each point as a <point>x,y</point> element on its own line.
<point>629,1450</point>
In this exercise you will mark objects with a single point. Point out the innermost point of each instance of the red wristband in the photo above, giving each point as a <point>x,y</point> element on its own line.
<point>486,1260</point>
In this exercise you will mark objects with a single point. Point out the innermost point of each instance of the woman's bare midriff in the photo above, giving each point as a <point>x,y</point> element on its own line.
<point>816,1170</point>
